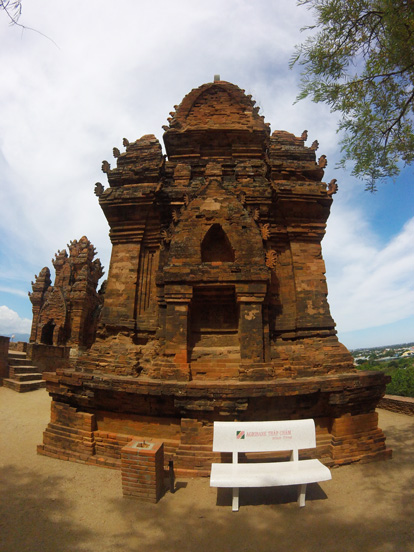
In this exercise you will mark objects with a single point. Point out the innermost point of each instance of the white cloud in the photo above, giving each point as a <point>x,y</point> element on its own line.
<point>13,291</point>
<point>368,285</point>
<point>10,322</point>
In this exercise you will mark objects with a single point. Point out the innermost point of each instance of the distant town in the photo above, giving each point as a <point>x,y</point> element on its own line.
<point>383,354</point>
<point>396,361</point>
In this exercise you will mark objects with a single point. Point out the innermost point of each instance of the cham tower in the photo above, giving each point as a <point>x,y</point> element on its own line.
<point>216,301</point>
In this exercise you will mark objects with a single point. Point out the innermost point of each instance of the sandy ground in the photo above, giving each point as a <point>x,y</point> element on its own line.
<point>52,505</point>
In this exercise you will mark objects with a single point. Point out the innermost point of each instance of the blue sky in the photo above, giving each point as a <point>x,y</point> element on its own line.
<point>117,70</point>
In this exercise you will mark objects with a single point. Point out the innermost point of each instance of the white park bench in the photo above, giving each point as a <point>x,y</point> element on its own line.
<point>289,435</point>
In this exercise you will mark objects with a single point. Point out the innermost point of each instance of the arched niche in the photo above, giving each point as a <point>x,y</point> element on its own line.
<point>216,246</point>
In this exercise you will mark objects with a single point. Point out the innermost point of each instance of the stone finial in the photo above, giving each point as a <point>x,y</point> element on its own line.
<point>106,167</point>
<point>322,161</point>
<point>99,189</point>
<point>43,281</point>
<point>125,142</point>
<point>116,152</point>
<point>332,187</point>
<point>315,145</point>
<point>304,135</point>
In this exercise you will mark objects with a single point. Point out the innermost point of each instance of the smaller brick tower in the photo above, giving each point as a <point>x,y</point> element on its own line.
<point>67,312</point>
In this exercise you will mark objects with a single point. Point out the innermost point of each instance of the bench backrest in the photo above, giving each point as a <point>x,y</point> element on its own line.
<point>264,436</point>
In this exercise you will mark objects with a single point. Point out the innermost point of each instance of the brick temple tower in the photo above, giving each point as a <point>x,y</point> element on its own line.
<point>216,302</point>
<point>66,314</point>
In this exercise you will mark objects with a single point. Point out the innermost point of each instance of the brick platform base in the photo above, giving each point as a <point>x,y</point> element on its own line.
<point>93,417</point>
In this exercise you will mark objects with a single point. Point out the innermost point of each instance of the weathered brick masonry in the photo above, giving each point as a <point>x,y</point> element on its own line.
<point>216,301</point>
<point>66,314</point>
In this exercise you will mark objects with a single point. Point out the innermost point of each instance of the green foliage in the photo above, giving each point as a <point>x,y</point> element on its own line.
<point>402,382</point>
<point>401,371</point>
<point>360,61</point>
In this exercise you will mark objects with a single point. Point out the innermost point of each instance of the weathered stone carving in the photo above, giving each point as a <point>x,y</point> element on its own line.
<point>265,231</point>
<point>322,161</point>
<point>271,258</point>
<point>99,189</point>
<point>332,187</point>
<point>208,314</point>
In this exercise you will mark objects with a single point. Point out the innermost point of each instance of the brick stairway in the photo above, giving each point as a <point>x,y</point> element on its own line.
<point>22,375</point>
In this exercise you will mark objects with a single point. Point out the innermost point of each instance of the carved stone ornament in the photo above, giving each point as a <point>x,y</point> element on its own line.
<point>255,214</point>
<point>106,167</point>
<point>322,161</point>
<point>176,215</point>
<point>271,258</point>
<point>242,198</point>
<point>166,235</point>
<point>332,187</point>
<point>265,231</point>
<point>99,189</point>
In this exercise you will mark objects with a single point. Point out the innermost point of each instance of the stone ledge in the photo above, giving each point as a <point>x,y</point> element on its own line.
<point>232,388</point>
<point>395,403</point>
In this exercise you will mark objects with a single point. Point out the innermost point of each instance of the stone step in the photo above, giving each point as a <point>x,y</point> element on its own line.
<point>18,361</point>
<point>23,386</point>
<point>14,372</point>
<point>32,376</point>
<point>22,375</point>
<point>22,369</point>
<point>17,354</point>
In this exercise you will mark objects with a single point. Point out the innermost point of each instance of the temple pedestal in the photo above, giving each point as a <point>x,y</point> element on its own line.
<point>111,411</point>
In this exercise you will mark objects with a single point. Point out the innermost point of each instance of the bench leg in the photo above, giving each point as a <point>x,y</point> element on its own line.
<point>301,495</point>
<point>235,503</point>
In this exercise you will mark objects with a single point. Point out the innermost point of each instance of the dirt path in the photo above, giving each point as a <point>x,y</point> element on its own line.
<point>50,505</point>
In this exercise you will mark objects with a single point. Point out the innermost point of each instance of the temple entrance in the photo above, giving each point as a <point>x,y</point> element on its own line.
<point>214,323</point>
<point>47,333</point>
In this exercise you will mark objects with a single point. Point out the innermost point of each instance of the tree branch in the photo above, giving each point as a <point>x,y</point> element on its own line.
<point>17,7</point>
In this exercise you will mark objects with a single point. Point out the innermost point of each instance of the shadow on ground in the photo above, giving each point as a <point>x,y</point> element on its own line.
<point>35,515</point>
<point>365,508</point>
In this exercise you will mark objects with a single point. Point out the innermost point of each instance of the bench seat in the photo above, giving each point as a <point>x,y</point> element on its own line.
<point>268,474</point>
